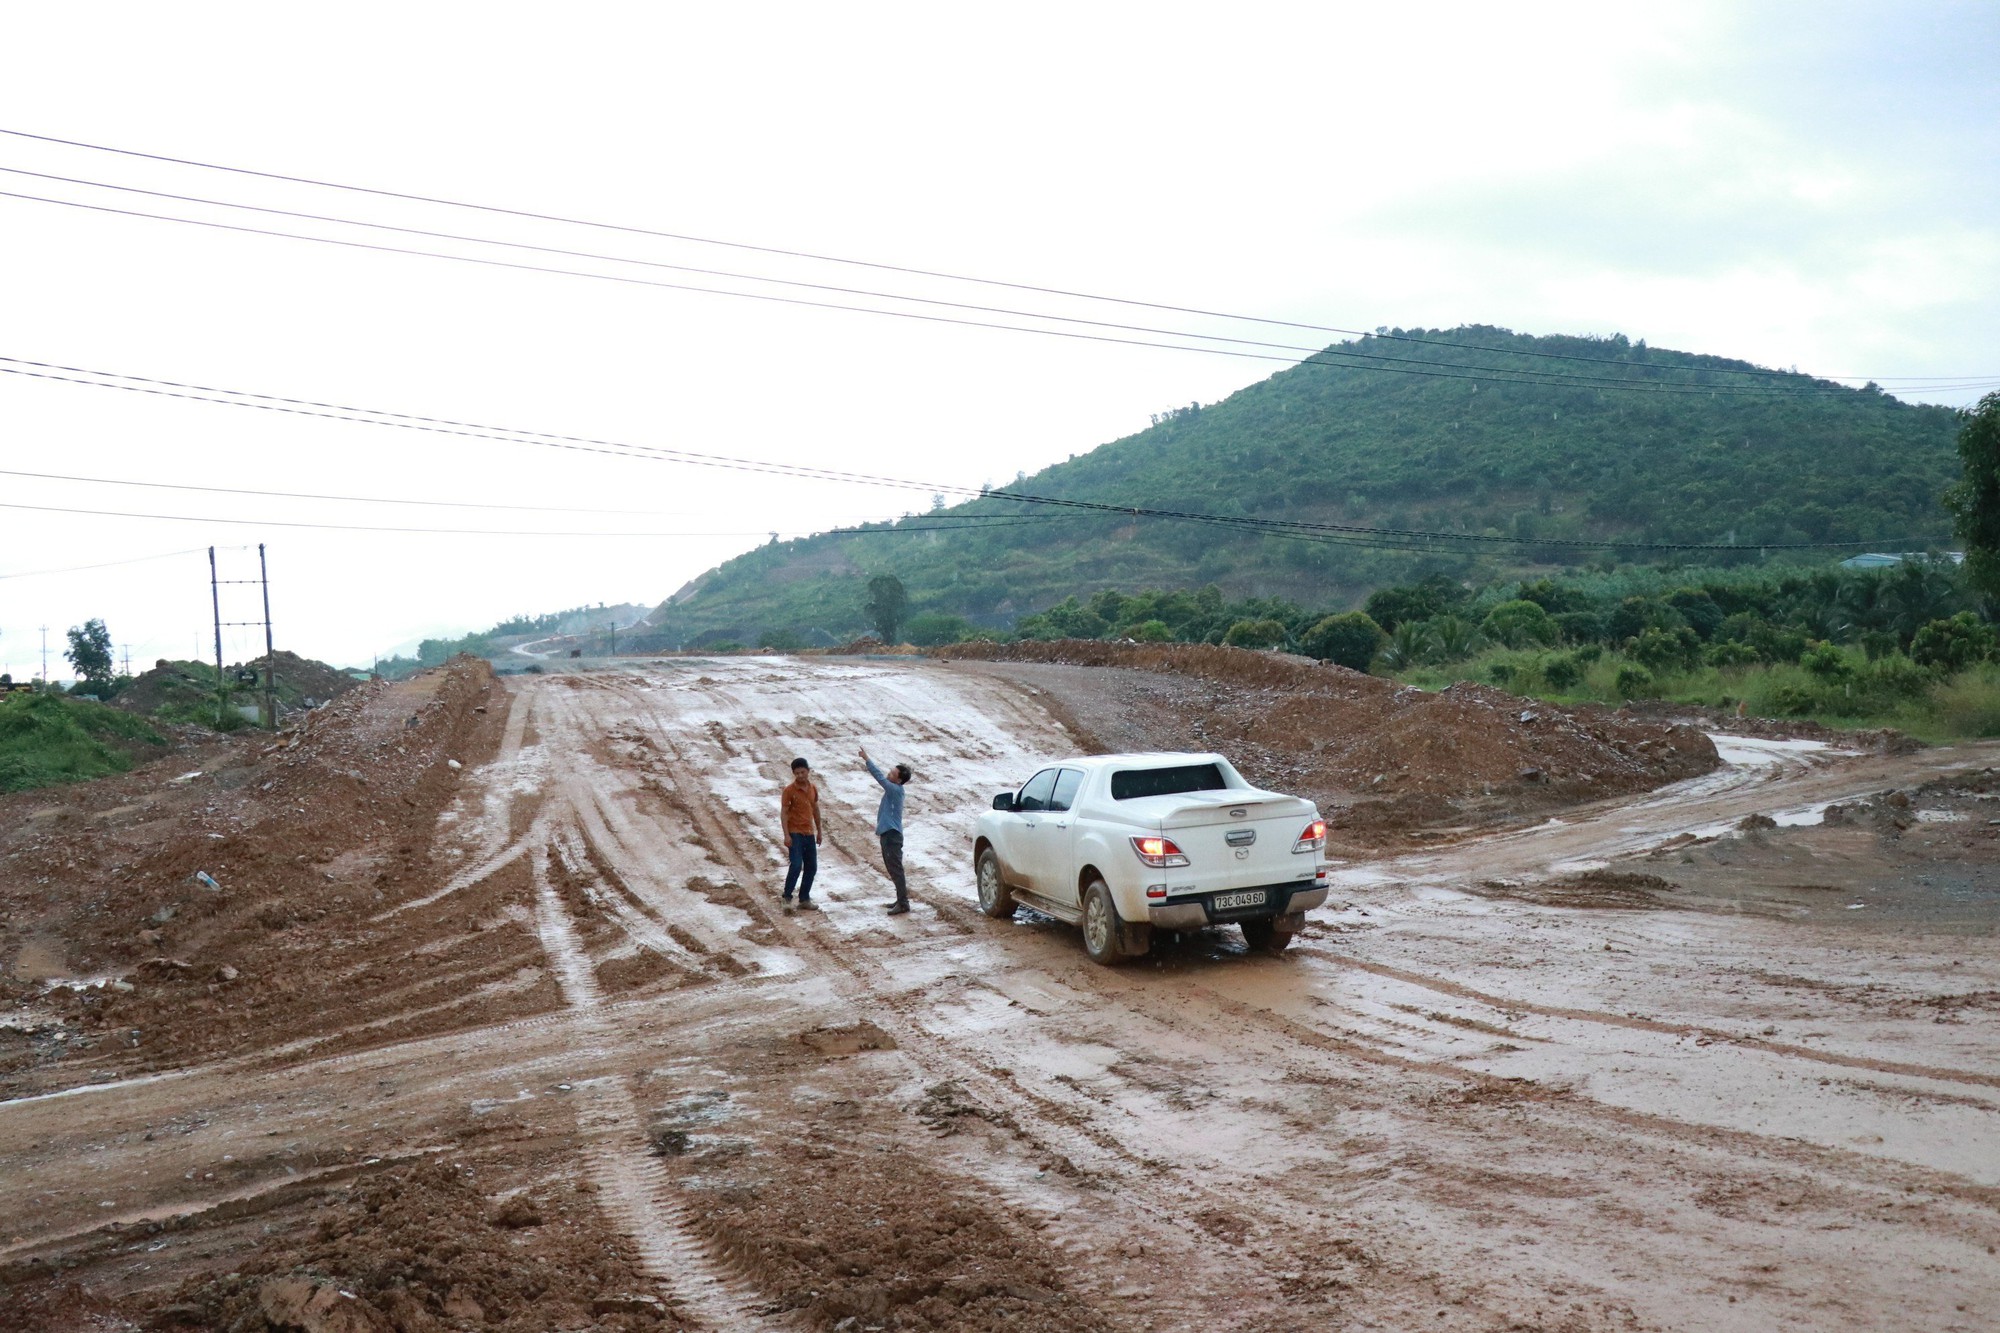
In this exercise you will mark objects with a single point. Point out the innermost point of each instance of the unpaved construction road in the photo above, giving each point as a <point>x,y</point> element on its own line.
<point>1461,1101</point>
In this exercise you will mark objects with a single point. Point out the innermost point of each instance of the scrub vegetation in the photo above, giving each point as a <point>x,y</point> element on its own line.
<point>1794,460</point>
<point>46,738</point>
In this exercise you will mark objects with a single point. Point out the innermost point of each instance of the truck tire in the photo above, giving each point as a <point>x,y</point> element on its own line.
<point>1265,936</point>
<point>1103,936</point>
<point>994,898</point>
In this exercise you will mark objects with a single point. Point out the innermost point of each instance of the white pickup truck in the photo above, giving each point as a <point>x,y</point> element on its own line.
<point>1126,844</point>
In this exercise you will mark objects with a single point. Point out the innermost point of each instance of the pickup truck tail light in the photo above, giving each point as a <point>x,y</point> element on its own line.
<point>1159,852</point>
<point>1312,837</point>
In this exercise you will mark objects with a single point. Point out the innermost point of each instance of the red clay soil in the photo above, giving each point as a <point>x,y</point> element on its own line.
<point>131,960</point>
<point>1398,757</point>
<point>423,1250</point>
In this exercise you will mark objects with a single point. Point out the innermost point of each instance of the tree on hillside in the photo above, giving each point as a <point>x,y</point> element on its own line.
<point>1350,638</point>
<point>1519,624</point>
<point>1255,634</point>
<point>1975,501</point>
<point>90,652</point>
<point>886,603</point>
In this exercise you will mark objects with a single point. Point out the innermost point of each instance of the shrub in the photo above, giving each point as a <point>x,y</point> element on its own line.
<point>1662,649</point>
<point>1501,673</point>
<point>1562,672</point>
<point>1409,645</point>
<point>1351,638</point>
<point>1725,653</point>
<point>1256,634</point>
<point>1634,682</point>
<point>1795,700</point>
<point>1587,653</point>
<point>1969,704</point>
<point>1151,631</point>
<point>1954,644</point>
<point>1824,662</point>
<point>1579,626</point>
<point>930,628</point>
<point>1452,638</point>
<point>1896,677</point>
<point>1519,624</point>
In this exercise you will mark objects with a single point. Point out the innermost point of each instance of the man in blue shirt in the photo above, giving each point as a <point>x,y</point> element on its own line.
<point>889,827</point>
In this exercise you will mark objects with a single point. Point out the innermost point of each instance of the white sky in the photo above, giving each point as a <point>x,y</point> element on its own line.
<point>1799,184</point>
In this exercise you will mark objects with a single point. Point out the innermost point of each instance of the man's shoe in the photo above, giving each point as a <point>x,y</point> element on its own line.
<point>808,905</point>
<point>785,898</point>
<point>897,909</point>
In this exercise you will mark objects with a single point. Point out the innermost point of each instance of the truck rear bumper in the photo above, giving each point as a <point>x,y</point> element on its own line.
<point>1193,913</point>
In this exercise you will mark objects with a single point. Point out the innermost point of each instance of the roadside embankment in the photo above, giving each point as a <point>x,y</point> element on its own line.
<point>1399,760</point>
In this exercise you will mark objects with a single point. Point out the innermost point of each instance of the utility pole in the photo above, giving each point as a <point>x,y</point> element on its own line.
<point>215,604</point>
<point>45,657</point>
<point>270,655</point>
<point>128,659</point>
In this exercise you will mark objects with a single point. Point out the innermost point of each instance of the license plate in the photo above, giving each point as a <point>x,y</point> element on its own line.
<point>1223,902</point>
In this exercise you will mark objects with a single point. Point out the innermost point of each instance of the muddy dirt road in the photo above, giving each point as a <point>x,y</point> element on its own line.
<point>1456,1103</point>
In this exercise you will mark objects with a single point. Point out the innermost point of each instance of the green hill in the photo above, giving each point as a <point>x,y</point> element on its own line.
<point>1674,447</point>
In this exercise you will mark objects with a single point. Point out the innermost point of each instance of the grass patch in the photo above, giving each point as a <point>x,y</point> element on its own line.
<point>46,739</point>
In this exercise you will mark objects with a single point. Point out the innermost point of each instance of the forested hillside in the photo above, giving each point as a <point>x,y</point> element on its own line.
<point>1472,432</point>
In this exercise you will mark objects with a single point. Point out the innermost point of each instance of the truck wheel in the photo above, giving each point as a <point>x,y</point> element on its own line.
<point>1101,933</point>
<point>994,898</point>
<point>1265,937</point>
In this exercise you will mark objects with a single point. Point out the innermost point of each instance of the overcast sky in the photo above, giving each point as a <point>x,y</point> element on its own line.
<point>1813,185</point>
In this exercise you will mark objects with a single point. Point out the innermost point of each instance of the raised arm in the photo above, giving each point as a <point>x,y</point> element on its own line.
<point>875,772</point>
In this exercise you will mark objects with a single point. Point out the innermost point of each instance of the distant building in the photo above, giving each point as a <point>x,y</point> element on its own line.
<point>1881,560</point>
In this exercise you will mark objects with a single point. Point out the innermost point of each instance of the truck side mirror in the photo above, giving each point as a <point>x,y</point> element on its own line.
<point>1004,801</point>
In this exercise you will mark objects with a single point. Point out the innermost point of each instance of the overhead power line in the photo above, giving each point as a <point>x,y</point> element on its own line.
<point>439,532</point>
<point>1308,356</point>
<point>1311,357</point>
<point>397,500</point>
<point>103,564</point>
<point>815,257</point>
<point>1565,379</point>
<point>510,435</point>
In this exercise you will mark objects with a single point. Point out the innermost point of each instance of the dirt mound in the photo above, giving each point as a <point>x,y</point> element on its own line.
<point>1396,755</point>
<point>306,678</point>
<point>422,1249</point>
<point>167,683</point>
<point>302,843</point>
<point>869,646</point>
<point>1616,889</point>
<point>914,1250</point>
<point>298,679</point>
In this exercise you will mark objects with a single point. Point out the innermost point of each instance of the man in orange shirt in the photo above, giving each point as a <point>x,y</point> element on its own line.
<point>799,807</point>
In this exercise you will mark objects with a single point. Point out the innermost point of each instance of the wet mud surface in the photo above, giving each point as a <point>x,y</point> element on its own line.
<point>495,1021</point>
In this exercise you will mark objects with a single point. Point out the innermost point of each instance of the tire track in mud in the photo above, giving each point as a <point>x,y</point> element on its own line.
<point>637,1195</point>
<point>1144,1201</point>
<point>1503,1003</point>
<point>1066,1121</point>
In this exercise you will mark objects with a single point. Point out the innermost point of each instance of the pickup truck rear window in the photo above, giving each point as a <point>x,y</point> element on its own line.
<point>1129,784</point>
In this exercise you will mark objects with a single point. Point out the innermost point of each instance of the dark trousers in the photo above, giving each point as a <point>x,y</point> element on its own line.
<point>805,858</point>
<point>892,860</point>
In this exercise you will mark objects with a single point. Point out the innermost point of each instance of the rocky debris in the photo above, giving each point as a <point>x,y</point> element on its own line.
<point>1750,823</point>
<point>637,1303</point>
<point>518,1211</point>
<point>318,1307</point>
<point>847,1040</point>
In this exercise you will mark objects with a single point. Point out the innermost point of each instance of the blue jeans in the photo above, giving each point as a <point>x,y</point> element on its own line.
<point>805,857</point>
